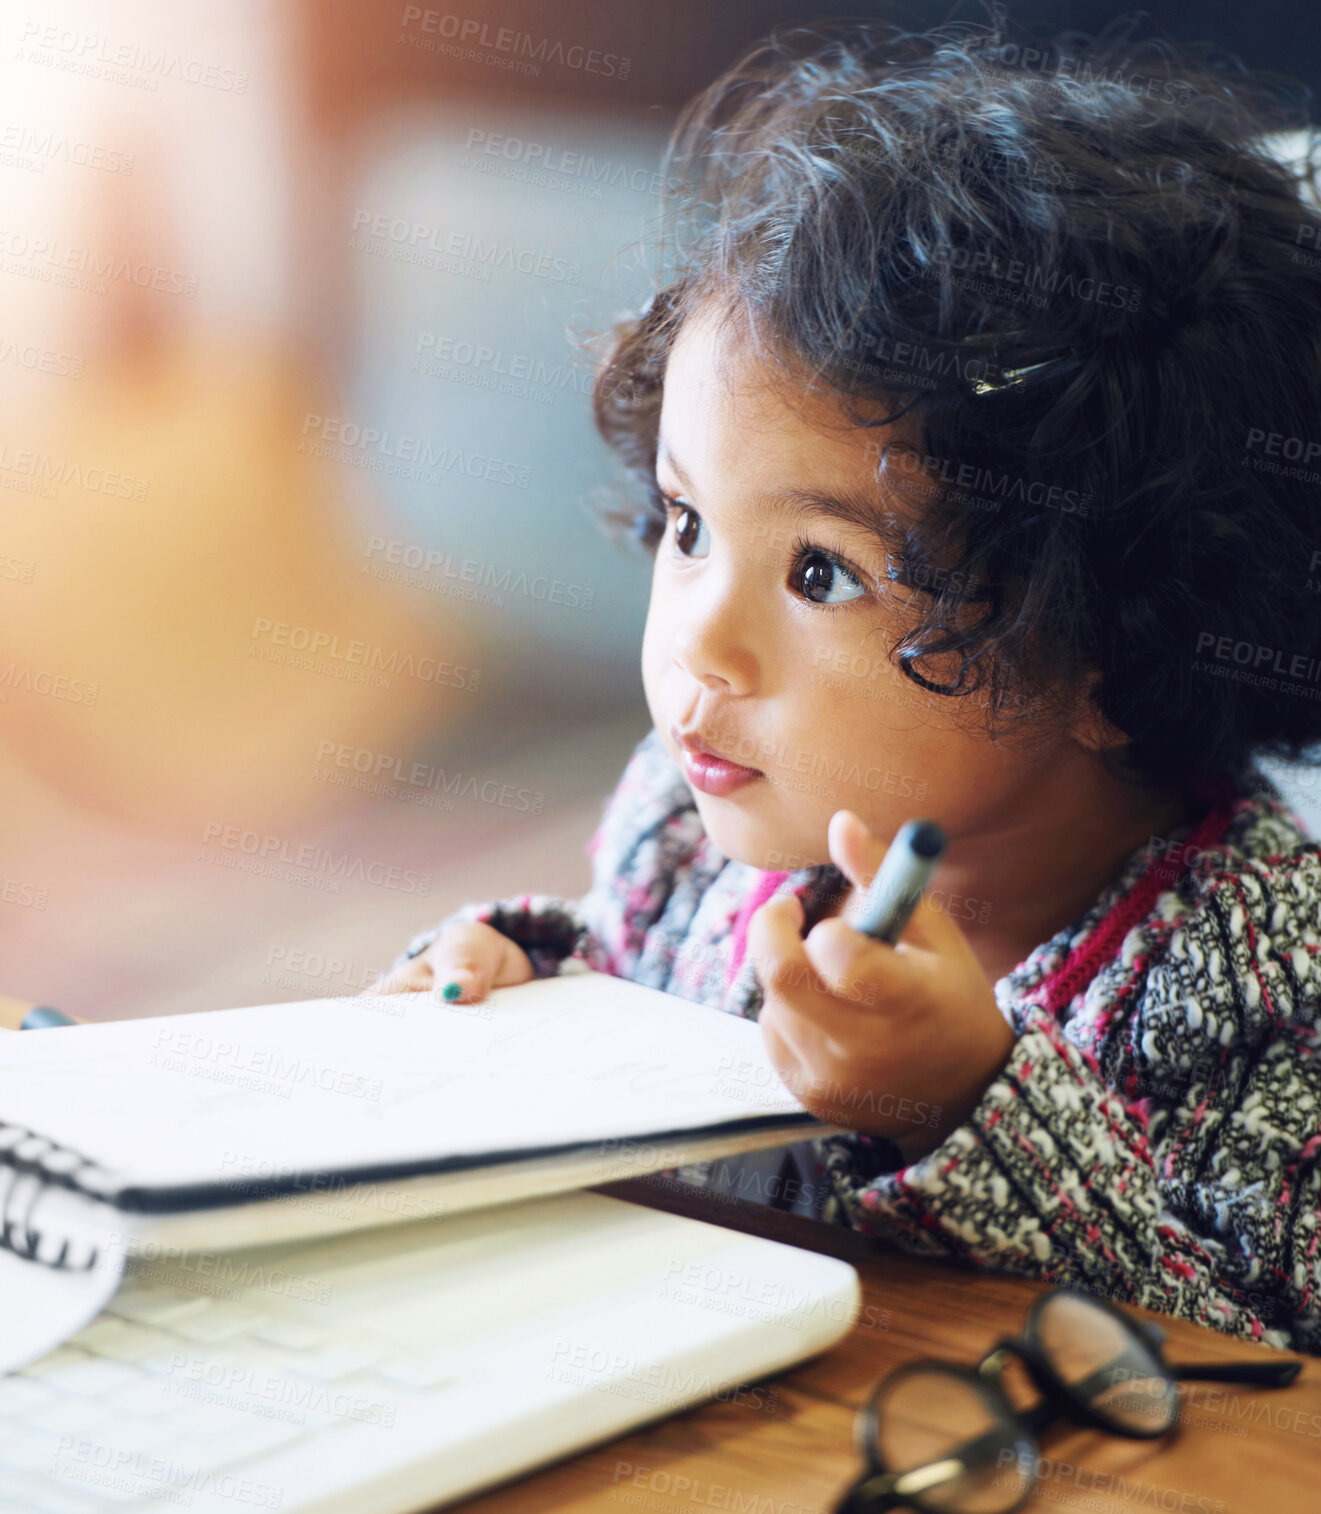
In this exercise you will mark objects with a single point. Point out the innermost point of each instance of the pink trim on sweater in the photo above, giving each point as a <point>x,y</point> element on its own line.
<point>764,889</point>
<point>1057,991</point>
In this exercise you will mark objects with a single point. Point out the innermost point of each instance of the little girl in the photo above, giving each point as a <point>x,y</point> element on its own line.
<point>969,431</point>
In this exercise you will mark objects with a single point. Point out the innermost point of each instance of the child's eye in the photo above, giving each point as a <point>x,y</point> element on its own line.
<point>817,571</point>
<point>685,536</point>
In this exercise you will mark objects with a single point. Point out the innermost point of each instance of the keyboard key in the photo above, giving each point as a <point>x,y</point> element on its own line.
<point>34,1451</point>
<point>237,1444</point>
<point>122,1340</point>
<point>432,1370</point>
<point>20,1394</point>
<point>333,1362</point>
<point>158,1306</point>
<point>45,1499</point>
<point>291,1333</point>
<point>48,1500</point>
<point>73,1416</point>
<point>218,1323</point>
<point>35,1495</point>
<point>200,1416</point>
<point>140,1437</point>
<point>147,1397</point>
<point>62,1356</point>
<point>91,1376</point>
<point>126,1488</point>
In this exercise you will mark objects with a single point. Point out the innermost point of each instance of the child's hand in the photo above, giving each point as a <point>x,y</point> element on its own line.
<point>897,1041</point>
<point>475,956</point>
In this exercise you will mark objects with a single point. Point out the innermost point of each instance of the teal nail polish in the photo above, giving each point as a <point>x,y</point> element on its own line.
<point>451,990</point>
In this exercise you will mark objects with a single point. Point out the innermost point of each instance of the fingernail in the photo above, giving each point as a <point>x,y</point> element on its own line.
<point>451,990</point>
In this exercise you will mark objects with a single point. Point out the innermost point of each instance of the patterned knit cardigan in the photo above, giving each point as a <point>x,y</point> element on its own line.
<point>1155,1136</point>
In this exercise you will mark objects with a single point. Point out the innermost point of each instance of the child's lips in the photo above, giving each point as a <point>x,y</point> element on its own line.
<point>715,775</point>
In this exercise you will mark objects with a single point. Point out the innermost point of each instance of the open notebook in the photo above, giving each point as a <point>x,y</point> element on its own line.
<point>240,1127</point>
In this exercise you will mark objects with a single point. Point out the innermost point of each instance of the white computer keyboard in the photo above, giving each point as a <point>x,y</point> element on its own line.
<point>400,1366</point>
<point>187,1372</point>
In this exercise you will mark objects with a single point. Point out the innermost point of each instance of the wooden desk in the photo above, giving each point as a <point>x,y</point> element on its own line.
<point>787,1448</point>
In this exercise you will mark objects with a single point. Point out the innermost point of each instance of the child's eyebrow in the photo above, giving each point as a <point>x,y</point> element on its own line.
<point>848,505</point>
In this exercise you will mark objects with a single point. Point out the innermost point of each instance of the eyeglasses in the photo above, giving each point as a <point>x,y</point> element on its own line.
<point>945,1439</point>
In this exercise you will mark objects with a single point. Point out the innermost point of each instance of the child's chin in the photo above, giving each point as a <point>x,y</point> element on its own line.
<point>747,839</point>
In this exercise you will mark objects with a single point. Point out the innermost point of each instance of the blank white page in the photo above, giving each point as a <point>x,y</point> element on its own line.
<point>236,1097</point>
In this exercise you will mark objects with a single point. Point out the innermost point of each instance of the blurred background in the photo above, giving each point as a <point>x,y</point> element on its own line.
<point>308,630</point>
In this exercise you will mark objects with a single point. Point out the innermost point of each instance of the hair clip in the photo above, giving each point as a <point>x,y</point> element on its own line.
<point>1008,377</point>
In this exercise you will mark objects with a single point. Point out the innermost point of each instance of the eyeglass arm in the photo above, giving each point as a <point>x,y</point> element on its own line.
<point>1263,1374</point>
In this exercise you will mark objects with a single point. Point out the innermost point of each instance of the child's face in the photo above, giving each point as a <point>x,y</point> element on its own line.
<point>776,654</point>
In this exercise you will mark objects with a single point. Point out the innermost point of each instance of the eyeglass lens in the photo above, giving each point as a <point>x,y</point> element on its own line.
<point>1107,1363</point>
<point>979,1460</point>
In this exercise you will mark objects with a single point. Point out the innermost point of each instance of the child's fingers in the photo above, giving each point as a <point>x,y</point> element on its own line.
<point>774,945</point>
<point>461,985</point>
<point>408,978</point>
<point>853,967</point>
<point>858,853</point>
<point>789,978</point>
<point>458,967</point>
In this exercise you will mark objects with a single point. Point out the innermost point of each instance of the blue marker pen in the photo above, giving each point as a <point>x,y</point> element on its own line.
<point>903,874</point>
<point>42,1017</point>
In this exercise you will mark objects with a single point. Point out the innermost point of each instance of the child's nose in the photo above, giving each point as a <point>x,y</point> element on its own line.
<point>715,649</point>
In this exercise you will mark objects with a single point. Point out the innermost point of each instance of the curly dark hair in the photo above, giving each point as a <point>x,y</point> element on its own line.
<point>1079,275</point>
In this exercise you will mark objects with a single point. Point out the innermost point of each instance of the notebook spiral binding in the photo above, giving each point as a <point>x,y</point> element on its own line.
<point>27,1154</point>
